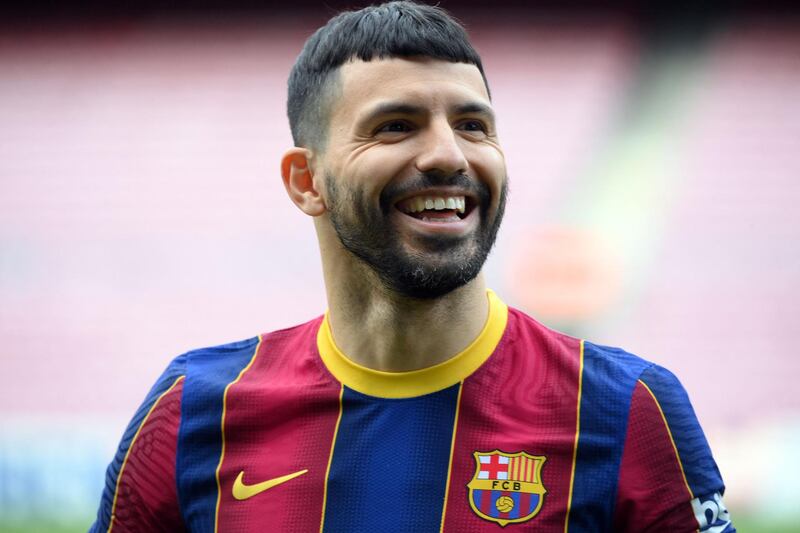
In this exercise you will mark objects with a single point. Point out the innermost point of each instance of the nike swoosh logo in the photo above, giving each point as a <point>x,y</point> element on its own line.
<point>243,492</point>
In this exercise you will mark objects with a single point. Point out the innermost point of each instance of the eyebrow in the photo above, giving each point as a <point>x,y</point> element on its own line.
<point>473,108</point>
<point>392,108</point>
<point>403,108</point>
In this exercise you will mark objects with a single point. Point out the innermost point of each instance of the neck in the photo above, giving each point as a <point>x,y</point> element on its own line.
<point>379,329</point>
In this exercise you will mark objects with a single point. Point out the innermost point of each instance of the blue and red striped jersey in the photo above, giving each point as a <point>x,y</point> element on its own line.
<point>526,429</point>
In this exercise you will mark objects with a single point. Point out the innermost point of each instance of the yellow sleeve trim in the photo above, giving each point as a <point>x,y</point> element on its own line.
<point>127,454</point>
<point>577,435</point>
<point>222,428</point>
<point>415,382</point>
<point>671,440</point>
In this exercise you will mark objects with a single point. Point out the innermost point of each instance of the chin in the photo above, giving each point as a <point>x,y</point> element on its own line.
<point>428,277</point>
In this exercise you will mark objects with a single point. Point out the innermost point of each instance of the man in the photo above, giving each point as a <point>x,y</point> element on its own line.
<point>419,402</point>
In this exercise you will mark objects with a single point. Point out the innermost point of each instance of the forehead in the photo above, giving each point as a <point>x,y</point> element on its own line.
<point>421,81</point>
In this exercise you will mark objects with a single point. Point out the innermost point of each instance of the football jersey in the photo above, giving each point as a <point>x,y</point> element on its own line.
<point>527,429</point>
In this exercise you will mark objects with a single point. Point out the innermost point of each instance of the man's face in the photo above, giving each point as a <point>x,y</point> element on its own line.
<point>415,179</point>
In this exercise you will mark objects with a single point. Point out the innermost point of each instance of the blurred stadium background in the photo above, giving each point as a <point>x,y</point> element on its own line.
<point>654,157</point>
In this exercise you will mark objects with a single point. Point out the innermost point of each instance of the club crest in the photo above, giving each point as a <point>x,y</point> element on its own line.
<point>507,487</point>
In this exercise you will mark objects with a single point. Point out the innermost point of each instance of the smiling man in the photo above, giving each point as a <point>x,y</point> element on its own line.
<point>419,402</point>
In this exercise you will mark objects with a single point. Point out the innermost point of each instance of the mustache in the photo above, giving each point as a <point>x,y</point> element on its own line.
<point>427,180</point>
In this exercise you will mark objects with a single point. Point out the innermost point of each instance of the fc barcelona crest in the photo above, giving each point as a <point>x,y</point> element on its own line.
<point>507,487</point>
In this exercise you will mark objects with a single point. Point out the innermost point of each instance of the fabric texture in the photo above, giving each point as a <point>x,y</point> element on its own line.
<point>527,429</point>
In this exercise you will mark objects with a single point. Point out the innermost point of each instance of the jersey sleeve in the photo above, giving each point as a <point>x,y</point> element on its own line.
<point>140,493</point>
<point>668,479</point>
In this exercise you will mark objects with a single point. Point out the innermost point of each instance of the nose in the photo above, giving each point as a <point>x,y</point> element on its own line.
<point>441,152</point>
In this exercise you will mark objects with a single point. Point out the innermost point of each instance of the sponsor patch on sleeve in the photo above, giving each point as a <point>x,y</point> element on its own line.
<point>711,514</point>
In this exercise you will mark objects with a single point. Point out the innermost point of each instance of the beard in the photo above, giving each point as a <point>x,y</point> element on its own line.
<point>440,263</point>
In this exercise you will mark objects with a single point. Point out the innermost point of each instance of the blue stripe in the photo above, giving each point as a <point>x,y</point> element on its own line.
<point>390,463</point>
<point>534,503</point>
<point>701,471</point>
<point>515,512</point>
<point>609,377</point>
<point>477,494</point>
<point>209,371</point>
<point>493,512</point>
<point>175,369</point>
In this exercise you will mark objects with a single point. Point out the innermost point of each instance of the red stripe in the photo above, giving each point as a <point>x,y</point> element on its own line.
<point>263,432</point>
<point>530,472</point>
<point>650,452</point>
<point>544,395</point>
<point>481,501</point>
<point>524,504</point>
<point>148,479</point>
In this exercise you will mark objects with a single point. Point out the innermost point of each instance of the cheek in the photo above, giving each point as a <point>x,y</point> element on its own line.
<point>490,164</point>
<point>381,164</point>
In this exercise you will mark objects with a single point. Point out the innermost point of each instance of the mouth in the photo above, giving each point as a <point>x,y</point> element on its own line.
<point>437,208</point>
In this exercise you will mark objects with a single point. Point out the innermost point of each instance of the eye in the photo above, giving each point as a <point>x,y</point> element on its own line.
<point>473,126</point>
<point>394,126</point>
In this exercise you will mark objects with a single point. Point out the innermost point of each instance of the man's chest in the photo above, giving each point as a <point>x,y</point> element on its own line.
<point>335,460</point>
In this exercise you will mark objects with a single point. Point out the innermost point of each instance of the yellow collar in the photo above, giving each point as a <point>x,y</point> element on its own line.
<point>416,382</point>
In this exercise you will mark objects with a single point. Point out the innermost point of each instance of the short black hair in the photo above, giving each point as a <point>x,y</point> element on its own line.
<point>391,30</point>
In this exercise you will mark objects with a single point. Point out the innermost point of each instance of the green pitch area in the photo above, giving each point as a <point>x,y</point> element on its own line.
<point>44,527</point>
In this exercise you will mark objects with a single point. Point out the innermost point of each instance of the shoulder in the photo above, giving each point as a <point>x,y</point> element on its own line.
<point>221,355</point>
<point>524,328</point>
<point>612,381</point>
<point>613,362</point>
<point>644,383</point>
<point>597,362</point>
<point>526,338</point>
<point>634,382</point>
<point>223,359</point>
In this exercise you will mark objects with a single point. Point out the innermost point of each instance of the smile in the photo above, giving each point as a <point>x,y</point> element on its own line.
<point>435,208</point>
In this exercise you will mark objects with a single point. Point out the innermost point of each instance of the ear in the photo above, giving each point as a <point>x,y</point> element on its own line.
<point>298,179</point>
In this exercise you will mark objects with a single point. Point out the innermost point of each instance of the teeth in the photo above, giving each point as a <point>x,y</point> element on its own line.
<point>452,218</point>
<point>438,203</point>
